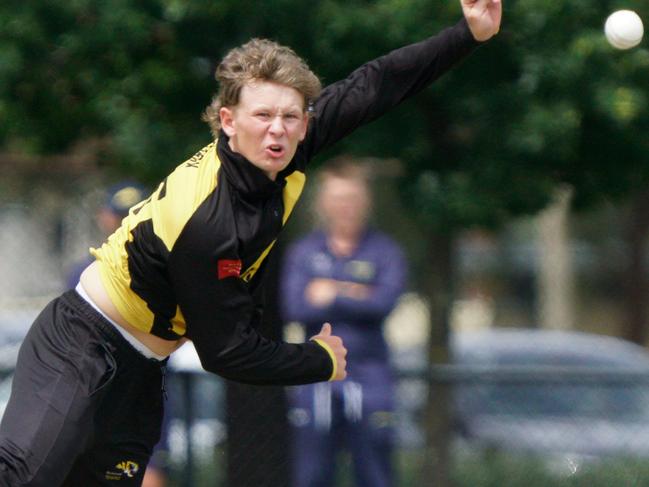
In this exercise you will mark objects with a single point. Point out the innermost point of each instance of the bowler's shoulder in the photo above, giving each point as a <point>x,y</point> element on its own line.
<point>206,156</point>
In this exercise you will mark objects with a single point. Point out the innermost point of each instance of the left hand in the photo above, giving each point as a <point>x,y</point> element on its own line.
<point>483,17</point>
<point>336,345</point>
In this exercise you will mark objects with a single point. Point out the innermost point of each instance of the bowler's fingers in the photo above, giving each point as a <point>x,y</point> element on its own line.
<point>326,330</point>
<point>483,17</point>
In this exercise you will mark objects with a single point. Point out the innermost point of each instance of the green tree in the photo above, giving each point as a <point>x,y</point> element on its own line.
<point>548,102</point>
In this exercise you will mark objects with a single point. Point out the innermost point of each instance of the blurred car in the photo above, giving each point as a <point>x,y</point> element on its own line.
<point>568,396</point>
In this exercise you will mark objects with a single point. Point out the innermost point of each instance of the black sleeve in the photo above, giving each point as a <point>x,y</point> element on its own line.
<point>383,83</point>
<point>220,316</point>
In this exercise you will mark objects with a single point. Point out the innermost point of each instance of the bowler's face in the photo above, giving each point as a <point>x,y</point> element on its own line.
<point>266,125</point>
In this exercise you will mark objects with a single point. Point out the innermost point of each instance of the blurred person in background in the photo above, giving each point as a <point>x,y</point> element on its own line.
<point>116,203</point>
<point>351,275</point>
<point>86,405</point>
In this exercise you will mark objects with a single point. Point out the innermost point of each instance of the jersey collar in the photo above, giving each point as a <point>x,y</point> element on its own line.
<point>248,179</point>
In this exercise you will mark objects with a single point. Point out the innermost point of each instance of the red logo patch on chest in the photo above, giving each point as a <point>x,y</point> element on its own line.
<point>229,268</point>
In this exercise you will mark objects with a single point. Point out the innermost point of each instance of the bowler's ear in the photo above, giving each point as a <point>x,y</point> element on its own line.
<point>227,121</point>
<point>305,126</point>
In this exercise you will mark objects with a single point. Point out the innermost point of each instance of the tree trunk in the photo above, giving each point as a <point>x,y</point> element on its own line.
<point>636,270</point>
<point>555,282</point>
<point>438,418</point>
<point>258,434</point>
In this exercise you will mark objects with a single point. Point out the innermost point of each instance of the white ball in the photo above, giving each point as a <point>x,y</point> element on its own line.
<point>624,29</point>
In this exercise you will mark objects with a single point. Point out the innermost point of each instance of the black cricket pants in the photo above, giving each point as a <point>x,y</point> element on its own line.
<point>85,408</point>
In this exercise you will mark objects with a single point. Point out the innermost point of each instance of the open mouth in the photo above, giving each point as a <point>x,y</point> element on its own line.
<point>275,150</point>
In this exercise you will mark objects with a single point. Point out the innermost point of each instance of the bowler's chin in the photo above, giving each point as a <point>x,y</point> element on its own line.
<point>272,165</point>
<point>271,168</point>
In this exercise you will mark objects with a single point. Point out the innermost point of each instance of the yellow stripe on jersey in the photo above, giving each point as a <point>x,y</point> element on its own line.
<point>188,187</point>
<point>294,185</point>
<point>332,355</point>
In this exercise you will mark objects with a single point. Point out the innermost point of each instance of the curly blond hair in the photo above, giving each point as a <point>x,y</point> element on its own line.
<point>264,60</point>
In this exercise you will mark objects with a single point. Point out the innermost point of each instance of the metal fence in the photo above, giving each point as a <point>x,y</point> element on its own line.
<point>507,426</point>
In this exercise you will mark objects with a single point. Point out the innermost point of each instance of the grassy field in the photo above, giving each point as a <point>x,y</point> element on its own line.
<point>487,469</point>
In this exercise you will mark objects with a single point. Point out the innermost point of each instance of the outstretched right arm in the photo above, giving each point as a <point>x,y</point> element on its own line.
<point>381,84</point>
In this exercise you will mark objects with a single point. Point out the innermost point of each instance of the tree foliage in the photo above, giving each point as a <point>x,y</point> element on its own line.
<point>546,102</point>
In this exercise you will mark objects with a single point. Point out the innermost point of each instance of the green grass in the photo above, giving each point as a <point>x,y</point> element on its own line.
<point>486,469</point>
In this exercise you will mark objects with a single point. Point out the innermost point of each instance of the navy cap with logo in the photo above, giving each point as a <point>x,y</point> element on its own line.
<point>123,195</point>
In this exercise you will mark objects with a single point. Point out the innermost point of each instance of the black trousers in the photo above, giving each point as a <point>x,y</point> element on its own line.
<point>86,407</point>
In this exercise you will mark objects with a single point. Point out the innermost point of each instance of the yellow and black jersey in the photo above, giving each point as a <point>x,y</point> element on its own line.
<point>193,211</point>
<point>184,260</point>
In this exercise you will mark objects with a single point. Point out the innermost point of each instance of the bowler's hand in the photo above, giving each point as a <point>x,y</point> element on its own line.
<point>336,345</point>
<point>483,17</point>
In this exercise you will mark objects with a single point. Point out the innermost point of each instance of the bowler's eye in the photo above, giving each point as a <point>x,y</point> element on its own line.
<point>263,115</point>
<point>291,116</point>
